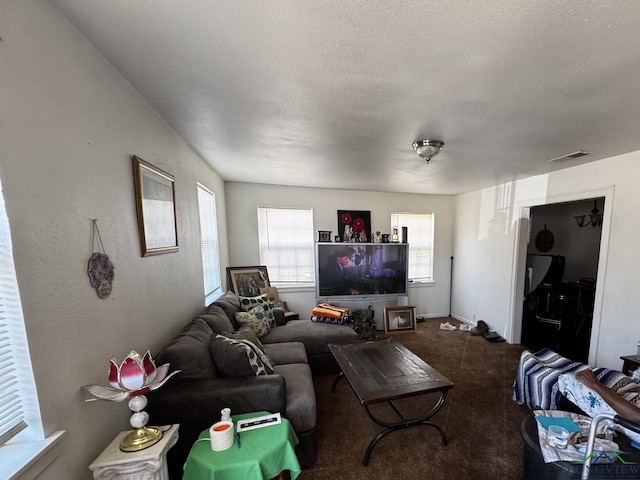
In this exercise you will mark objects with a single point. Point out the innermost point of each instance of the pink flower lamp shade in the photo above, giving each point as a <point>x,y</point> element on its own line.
<point>133,378</point>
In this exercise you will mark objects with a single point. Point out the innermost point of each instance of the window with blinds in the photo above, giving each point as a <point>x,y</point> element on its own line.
<point>285,239</point>
<point>209,244</point>
<point>420,236</point>
<point>19,409</point>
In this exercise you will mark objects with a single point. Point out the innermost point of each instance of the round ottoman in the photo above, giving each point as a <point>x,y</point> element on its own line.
<point>533,466</point>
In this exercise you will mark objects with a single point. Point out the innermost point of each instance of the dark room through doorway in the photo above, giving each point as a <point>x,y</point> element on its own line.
<point>560,277</point>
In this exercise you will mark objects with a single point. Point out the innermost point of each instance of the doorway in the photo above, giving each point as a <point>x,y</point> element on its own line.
<point>560,275</point>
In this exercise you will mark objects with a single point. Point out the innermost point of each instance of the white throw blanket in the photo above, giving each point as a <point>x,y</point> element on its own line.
<point>575,451</point>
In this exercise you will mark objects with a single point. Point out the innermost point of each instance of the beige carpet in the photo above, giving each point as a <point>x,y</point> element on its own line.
<point>479,417</point>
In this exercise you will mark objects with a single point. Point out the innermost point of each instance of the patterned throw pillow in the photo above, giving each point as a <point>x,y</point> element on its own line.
<point>256,319</point>
<point>249,335</point>
<point>248,303</point>
<point>238,358</point>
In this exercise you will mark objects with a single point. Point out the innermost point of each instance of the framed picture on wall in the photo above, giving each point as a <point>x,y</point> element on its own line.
<point>400,319</point>
<point>247,281</point>
<point>354,225</point>
<point>156,208</point>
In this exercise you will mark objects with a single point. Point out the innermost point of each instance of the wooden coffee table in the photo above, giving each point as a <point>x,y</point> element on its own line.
<point>384,371</point>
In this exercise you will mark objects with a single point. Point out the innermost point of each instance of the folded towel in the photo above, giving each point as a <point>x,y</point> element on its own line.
<point>327,310</point>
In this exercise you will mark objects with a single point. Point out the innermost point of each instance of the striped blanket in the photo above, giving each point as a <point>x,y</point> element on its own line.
<point>536,383</point>
<point>328,310</point>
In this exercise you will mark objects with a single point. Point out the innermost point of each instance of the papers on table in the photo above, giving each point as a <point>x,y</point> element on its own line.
<point>258,422</point>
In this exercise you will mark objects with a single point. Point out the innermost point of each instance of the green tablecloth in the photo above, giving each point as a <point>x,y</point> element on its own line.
<point>263,454</point>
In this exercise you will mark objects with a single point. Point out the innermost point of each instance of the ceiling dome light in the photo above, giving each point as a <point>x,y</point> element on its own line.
<point>427,149</point>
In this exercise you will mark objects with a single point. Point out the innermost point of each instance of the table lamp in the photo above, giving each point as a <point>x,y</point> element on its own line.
<point>132,378</point>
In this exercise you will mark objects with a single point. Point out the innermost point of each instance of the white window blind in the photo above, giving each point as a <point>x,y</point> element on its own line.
<point>19,409</point>
<point>209,244</point>
<point>420,236</point>
<point>285,238</point>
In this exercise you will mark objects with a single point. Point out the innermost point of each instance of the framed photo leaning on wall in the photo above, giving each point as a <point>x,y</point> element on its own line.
<point>400,319</point>
<point>247,281</point>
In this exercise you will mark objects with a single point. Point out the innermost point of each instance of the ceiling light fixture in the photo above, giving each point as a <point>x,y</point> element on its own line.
<point>427,149</point>
<point>594,218</point>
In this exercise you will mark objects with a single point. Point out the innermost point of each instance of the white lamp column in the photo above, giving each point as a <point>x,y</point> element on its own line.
<point>147,464</point>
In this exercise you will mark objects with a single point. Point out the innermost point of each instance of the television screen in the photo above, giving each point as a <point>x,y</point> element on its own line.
<point>361,269</point>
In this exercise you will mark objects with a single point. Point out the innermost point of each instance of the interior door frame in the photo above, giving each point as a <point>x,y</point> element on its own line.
<point>521,238</point>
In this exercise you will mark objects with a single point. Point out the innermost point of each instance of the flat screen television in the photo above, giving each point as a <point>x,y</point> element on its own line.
<point>361,269</point>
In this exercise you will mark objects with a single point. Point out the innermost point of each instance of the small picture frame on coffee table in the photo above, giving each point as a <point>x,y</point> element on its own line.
<point>400,319</point>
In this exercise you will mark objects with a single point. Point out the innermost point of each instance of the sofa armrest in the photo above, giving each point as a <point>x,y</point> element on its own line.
<point>196,405</point>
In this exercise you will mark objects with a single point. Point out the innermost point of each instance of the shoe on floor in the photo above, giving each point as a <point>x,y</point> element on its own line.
<point>480,329</point>
<point>447,326</point>
<point>465,327</point>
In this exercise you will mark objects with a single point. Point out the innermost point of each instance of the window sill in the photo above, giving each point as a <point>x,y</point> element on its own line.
<point>27,460</point>
<point>422,284</point>
<point>295,288</point>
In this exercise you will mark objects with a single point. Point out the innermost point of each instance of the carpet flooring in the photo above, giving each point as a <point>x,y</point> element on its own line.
<point>479,417</point>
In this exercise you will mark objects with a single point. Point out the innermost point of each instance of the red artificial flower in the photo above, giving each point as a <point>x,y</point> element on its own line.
<point>345,218</point>
<point>358,225</point>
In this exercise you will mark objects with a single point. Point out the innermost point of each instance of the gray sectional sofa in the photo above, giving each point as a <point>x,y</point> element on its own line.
<point>211,380</point>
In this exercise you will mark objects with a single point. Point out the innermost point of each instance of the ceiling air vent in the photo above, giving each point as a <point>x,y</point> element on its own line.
<point>578,154</point>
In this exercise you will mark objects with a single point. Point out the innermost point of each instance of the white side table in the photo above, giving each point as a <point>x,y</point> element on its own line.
<point>147,464</point>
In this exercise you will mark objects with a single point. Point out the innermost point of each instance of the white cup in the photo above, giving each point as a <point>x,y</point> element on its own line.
<point>558,436</point>
<point>221,436</point>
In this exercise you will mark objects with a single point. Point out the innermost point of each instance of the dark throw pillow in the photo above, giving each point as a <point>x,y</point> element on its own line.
<point>238,358</point>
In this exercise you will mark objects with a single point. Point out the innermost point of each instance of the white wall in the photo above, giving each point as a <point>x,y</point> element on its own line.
<point>243,200</point>
<point>488,226</point>
<point>68,126</point>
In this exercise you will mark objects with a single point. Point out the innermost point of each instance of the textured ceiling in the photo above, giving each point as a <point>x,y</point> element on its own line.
<point>333,93</point>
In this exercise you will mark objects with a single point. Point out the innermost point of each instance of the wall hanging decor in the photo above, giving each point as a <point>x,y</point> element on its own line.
<point>156,207</point>
<point>544,240</point>
<point>354,225</point>
<point>100,268</point>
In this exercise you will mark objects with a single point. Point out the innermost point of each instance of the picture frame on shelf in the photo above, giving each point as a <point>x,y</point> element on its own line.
<point>156,208</point>
<point>247,281</point>
<point>354,225</point>
<point>400,319</point>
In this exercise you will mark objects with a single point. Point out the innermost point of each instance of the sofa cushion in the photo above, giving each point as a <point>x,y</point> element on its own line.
<point>217,319</point>
<point>249,303</point>
<point>189,352</point>
<point>301,396</point>
<point>315,336</point>
<point>238,358</point>
<point>230,303</point>
<point>256,319</point>
<point>287,352</point>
